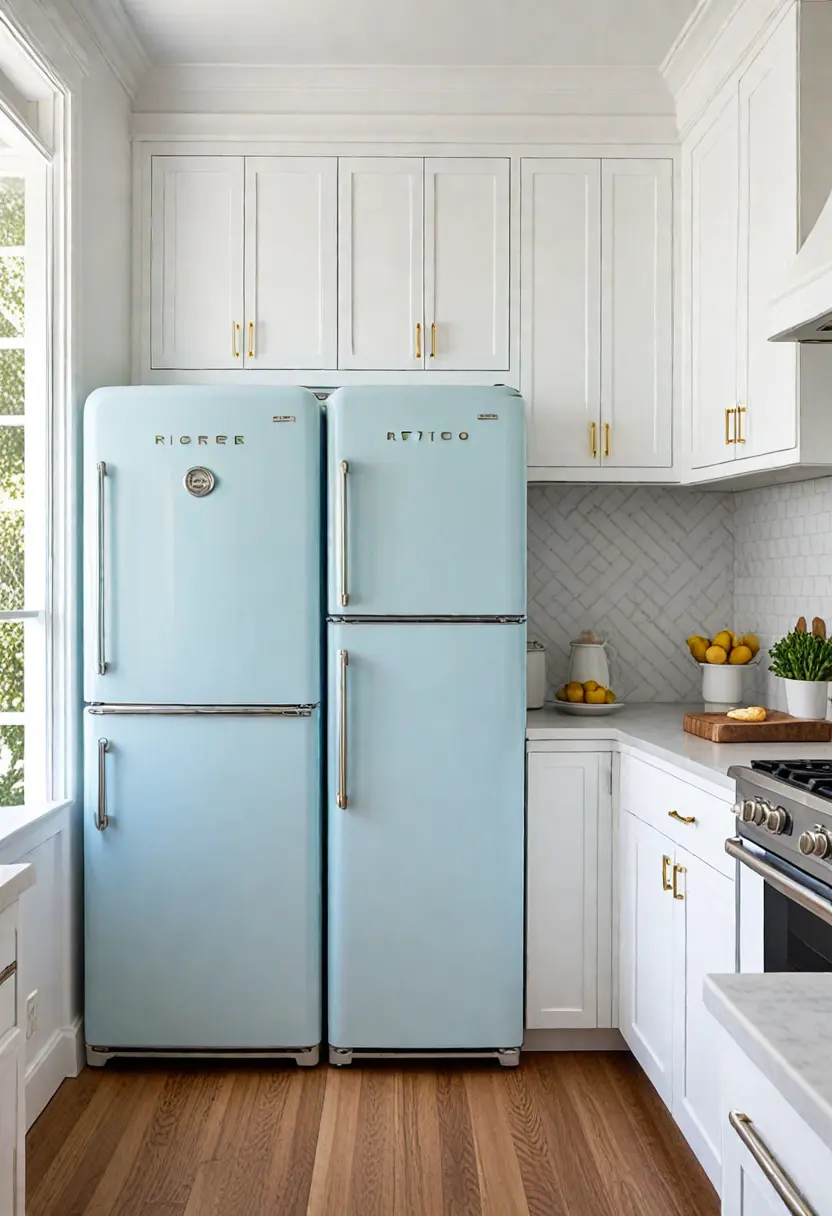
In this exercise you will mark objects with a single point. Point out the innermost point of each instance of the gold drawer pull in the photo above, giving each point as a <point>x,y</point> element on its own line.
<point>739,438</point>
<point>418,339</point>
<point>729,414</point>
<point>681,818</point>
<point>593,440</point>
<point>607,445</point>
<point>666,886</point>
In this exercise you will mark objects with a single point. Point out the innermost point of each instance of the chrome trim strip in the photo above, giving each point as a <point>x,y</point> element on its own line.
<point>101,662</point>
<point>426,620</point>
<point>8,972</point>
<point>234,711</point>
<point>344,469</point>
<point>774,1172</point>
<point>787,886</point>
<point>341,793</point>
<point>102,819</point>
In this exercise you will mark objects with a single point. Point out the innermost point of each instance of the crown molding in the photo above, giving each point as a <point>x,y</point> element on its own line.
<point>466,90</point>
<point>42,28</point>
<point>116,38</point>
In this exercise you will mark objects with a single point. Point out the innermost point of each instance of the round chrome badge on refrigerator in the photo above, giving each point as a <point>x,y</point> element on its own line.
<point>199,481</point>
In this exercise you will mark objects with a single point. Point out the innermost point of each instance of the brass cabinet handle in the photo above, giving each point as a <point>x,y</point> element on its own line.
<point>607,444</point>
<point>235,338</point>
<point>666,886</point>
<point>433,340</point>
<point>418,339</point>
<point>729,414</point>
<point>774,1172</point>
<point>593,439</point>
<point>677,870</point>
<point>251,339</point>
<point>681,818</point>
<point>738,435</point>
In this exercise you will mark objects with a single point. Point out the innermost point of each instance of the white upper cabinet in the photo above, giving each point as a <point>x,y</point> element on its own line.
<point>291,262</point>
<point>636,313</point>
<point>467,264</point>
<point>380,263</point>
<point>714,180</point>
<point>560,324</point>
<point>196,262</point>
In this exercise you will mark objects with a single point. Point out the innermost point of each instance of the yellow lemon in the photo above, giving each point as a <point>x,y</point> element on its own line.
<point>590,686</point>
<point>716,654</point>
<point>740,654</point>
<point>722,639</point>
<point>736,640</point>
<point>574,692</point>
<point>752,642</point>
<point>596,696</point>
<point>699,649</point>
<point>609,697</point>
<point>560,695</point>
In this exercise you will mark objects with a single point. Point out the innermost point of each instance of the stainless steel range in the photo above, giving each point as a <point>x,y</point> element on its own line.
<point>784,838</point>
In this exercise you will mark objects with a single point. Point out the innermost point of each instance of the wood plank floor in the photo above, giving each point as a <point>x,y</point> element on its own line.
<point>564,1135</point>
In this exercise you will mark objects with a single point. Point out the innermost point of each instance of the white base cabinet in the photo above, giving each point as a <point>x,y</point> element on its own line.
<point>569,891</point>
<point>12,1093</point>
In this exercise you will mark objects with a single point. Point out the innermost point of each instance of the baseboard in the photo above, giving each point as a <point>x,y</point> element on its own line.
<point>61,1057</point>
<point>574,1040</point>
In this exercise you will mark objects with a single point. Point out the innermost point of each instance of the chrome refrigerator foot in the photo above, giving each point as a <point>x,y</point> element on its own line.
<point>509,1057</point>
<point>339,1056</point>
<point>308,1058</point>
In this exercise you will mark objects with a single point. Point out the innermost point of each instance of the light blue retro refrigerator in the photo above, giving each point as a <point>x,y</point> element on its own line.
<point>202,677</point>
<point>426,712</point>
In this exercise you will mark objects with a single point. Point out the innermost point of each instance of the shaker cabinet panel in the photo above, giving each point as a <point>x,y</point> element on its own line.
<point>560,322</point>
<point>466,263</point>
<point>291,267</point>
<point>381,255</point>
<point>196,262</point>
<point>636,313</point>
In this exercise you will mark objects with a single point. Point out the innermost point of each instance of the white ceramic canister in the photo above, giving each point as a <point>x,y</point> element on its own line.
<point>588,660</point>
<point>722,686</point>
<point>535,675</point>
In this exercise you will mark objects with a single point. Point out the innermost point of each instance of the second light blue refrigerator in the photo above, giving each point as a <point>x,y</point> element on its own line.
<point>426,721</point>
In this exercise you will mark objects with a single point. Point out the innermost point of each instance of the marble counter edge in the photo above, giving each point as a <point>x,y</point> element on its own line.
<point>797,1090</point>
<point>14,880</point>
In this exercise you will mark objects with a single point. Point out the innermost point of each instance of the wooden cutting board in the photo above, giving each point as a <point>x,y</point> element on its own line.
<point>777,728</point>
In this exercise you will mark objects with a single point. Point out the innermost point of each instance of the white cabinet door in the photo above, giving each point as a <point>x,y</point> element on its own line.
<point>196,262</point>
<point>714,172</point>
<point>291,262</point>
<point>646,950</point>
<point>560,309</point>
<point>569,908</point>
<point>768,208</point>
<point>380,263</point>
<point>704,942</point>
<point>466,263</point>
<point>637,313</point>
<point>11,1123</point>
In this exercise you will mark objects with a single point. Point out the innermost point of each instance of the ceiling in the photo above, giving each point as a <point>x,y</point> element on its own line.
<point>432,32</point>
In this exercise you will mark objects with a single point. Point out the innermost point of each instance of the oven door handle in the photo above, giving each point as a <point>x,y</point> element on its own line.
<point>787,886</point>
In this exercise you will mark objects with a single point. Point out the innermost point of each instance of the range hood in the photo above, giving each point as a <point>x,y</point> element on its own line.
<point>803,311</point>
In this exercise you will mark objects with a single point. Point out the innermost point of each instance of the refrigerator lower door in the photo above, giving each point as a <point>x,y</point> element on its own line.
<point>426,836</point>
<point>202,882</point>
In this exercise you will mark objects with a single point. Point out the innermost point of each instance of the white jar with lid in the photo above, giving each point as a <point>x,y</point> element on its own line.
<point>535,675</point>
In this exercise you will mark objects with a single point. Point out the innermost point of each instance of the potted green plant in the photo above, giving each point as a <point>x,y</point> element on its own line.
<point>803,661</point>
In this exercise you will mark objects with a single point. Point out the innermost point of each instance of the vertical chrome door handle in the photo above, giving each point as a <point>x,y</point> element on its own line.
<point>768,1163</point>
<point>342,483</point>
<point>102,819</point>
<point>341,794</point>
<point>101,662</point>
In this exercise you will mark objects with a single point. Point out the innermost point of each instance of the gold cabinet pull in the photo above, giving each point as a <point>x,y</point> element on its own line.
<point>729,414</point>
<point>433,340</point>
<point>666,886</point>
<point>677,870</point>
<point>235,338</point>
<point>251,339</point>
<point>593,440</point>
<point>607,443</point>
<point>418,339</point>
<point>738,435</point>
<point>681,818</point>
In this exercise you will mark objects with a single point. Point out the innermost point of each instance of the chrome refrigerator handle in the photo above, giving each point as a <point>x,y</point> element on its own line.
<point>341,794</point>
<point>101,662</point>
<point>102,819</point>
<point>342,484</point>
<point>774,1172</point>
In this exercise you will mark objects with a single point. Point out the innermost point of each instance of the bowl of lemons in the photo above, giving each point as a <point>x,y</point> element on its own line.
<point>723,659</point>
<point>588,698</point>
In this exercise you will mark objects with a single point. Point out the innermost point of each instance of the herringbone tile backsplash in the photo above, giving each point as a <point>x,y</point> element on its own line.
<point>644,567</point>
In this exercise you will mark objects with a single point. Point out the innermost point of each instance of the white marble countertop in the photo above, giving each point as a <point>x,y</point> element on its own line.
<point>657,731</point>
<point>14,880</point>
<point>781,1021</point>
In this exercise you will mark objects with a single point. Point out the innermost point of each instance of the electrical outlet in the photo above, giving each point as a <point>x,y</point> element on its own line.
<point>31,1013</point>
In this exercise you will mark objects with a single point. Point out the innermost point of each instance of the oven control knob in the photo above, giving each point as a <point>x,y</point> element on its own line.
<point>815,843</point>
<point>759,813</point>
<point>776,820</point>
<point>744,810</point>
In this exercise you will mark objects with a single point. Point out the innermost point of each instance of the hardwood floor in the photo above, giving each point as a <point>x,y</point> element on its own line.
<point>564,1135</point>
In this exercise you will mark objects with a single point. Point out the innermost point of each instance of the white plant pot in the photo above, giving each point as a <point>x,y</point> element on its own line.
<point>807,698</point>
<point>721,686</point>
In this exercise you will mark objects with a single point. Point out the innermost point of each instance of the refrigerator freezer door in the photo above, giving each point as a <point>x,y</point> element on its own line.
<point>425,863</point>
<point>427,502</point>
<point>203,901</point>
<point>202,539</point>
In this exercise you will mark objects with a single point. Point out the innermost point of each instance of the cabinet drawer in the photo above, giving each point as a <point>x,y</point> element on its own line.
<point>654,795</point>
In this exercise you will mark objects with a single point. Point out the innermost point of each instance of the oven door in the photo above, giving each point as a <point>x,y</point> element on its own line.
<point>784,916</point>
